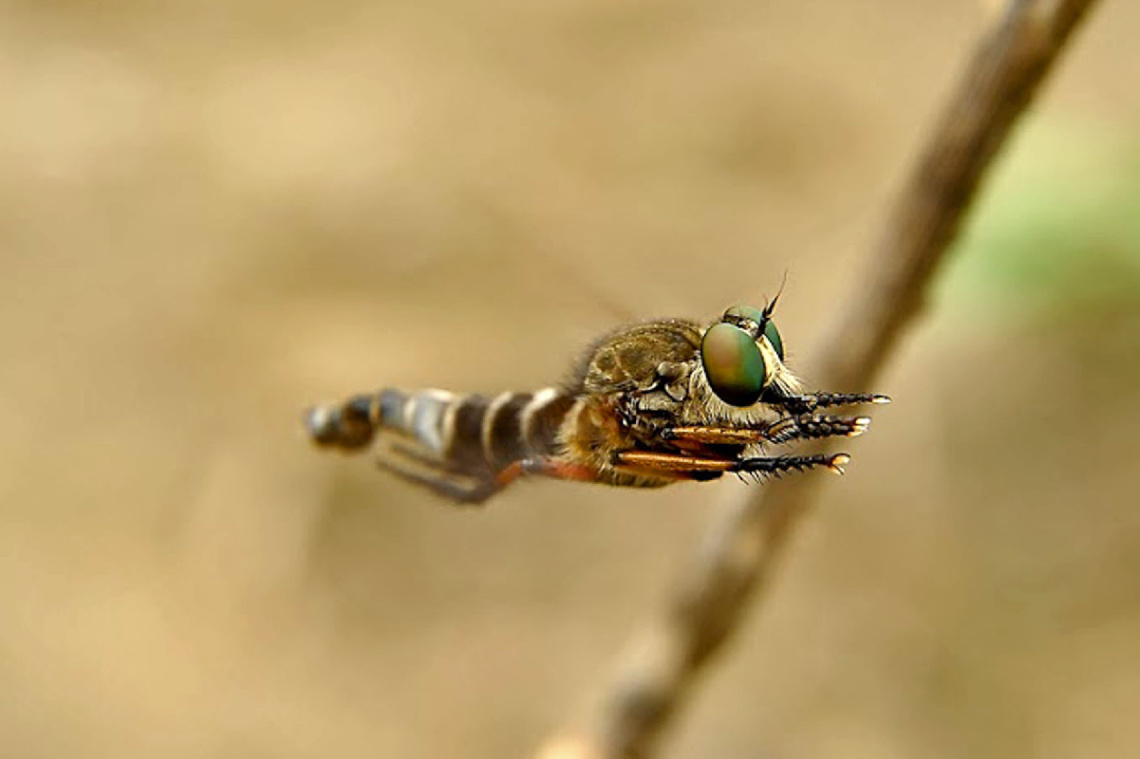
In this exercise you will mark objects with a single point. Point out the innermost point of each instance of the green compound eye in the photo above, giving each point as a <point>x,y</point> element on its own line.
<point>733,364</point>
<point>773,336</point>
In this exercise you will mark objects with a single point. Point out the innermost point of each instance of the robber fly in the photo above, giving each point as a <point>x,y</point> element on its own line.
<point>646,406</point>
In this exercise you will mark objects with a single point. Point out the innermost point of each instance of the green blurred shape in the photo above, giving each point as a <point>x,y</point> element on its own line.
<point>1058,225</point>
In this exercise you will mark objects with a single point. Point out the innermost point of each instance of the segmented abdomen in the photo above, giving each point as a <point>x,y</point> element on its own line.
<point>466,433</point>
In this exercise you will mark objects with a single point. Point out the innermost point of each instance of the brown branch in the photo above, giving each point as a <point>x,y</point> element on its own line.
<point>745,543</point>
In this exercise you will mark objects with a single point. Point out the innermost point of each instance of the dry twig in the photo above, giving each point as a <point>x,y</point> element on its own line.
<point>745,543</point>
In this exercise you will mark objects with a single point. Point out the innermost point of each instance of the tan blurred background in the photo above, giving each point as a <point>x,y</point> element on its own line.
<point>213,214</point>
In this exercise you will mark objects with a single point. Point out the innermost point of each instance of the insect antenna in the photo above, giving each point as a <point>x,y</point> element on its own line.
<point>770,307</point>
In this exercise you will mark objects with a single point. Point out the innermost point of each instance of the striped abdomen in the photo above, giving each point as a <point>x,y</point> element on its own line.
<point>468,434</point>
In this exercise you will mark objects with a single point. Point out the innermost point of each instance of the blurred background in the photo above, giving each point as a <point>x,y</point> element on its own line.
<point>214,214</point>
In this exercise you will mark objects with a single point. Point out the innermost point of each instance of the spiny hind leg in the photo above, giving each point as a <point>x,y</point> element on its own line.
<point>681,466</point>
<point>774,466</point>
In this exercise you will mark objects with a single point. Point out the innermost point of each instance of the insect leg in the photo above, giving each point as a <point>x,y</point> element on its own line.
<point>449,482</point>
<point>812,401</point>
<point>463,487</point>
<point>777,465</point>
<point>469,494</point>
<point>703,468</point>
<point>718,435</point>
<point>677,466</point>
<point>800,427</point>
<point>814,426</point>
